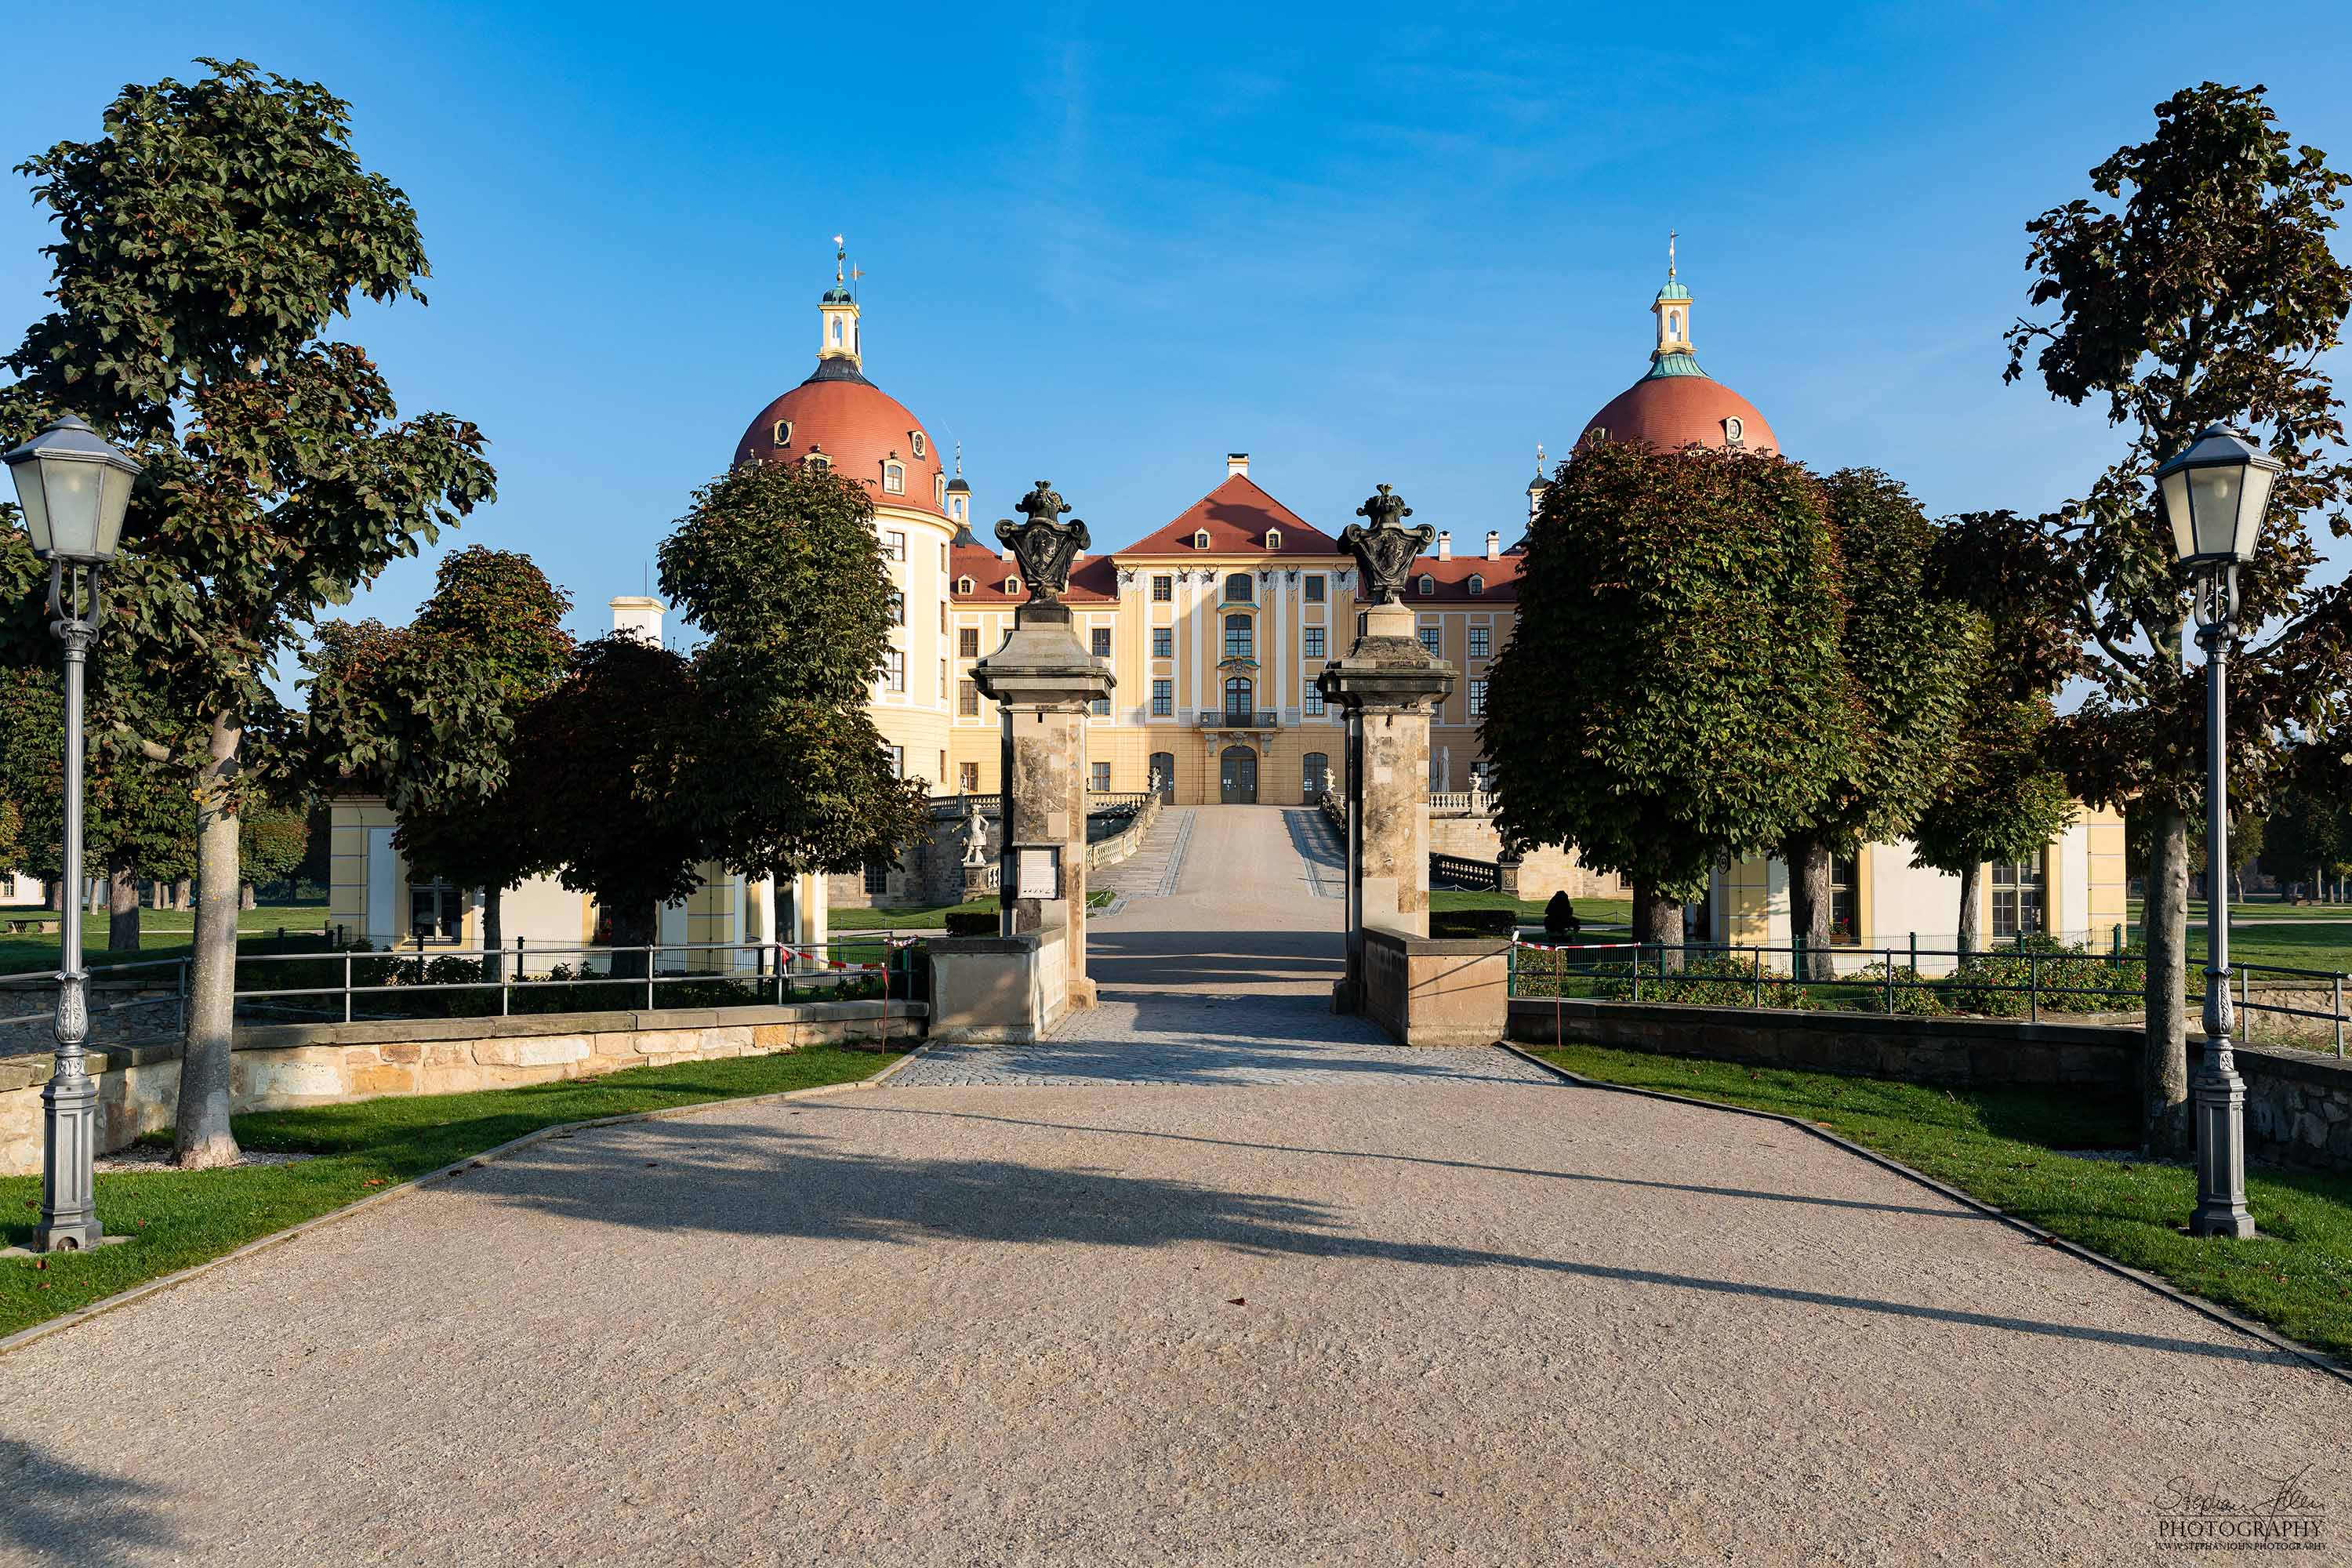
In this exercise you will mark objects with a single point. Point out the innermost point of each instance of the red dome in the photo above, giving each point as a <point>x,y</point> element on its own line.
<point>1677,411</point>
<point>858,426</point>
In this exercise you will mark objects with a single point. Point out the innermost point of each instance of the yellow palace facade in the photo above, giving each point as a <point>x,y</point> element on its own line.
<point>1215,627</point>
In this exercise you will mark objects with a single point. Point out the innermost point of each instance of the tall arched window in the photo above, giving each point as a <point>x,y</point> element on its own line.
<point>1317,768</point>
<point>1239,697</point>
<point>1237,588</point>
<point>1238,638</point>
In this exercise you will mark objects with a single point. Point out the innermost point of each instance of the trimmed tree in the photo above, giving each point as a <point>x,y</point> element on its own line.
<point>206,239</point>
<point>2003,800</point>
<point>426,716</point>
<point>2199,288</point>
<point>1908,654</point>
<point>780,565</point>
<point>1672,696</point>
<point>613,747</point>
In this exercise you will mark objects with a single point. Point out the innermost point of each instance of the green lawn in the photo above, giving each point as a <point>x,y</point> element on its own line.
<point>927,916</point>
<point>1999,1146</point>
<point>1590,911</point>
<point>163,933</point>
<point>180,1219</point>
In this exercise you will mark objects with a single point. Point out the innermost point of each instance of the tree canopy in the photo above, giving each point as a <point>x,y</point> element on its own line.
<point>206,238</point>
<point>779,566</point>
<point>2195,286</point>
<point>1907,655</point>
<point>1673,695</point>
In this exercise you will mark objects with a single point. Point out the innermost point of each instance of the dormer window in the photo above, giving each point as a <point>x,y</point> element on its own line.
<point>915,442</point>
<point>1274,539</point>
<point>965,584</point>
<point>894,478</point>
<point>1732,430</point>
<point>1013,584</point>
<point>781,435</point>
<point>1477,584</point>
<point>1427,586</point>
<point>817,460</point>
<point>940,488</point>
<point>1201,539</point>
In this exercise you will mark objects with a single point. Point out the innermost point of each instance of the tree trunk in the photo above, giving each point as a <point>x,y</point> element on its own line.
<point>202,1138</point>
<point>1658,922</point>
<point>2238,883</point>
<point>2164,1073</point>
<point>1972,926</point>
<point>1809,902</point>
<point>123,908</point>
<point>100,893</point>
<point>159,895</point>
<point>53,893</point>
<point>633,928</point>
<point>246,897</point>
<point>180,890</point>
<point>494,956</point>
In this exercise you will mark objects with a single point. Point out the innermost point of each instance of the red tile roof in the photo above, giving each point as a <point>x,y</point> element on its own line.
<point>1236,515</point>
<point>1453,580</point>
<point>1093,581</point>
<point>1672,411</point>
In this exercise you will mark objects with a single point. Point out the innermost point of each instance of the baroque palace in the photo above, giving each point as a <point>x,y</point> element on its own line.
<point>1215,626</point>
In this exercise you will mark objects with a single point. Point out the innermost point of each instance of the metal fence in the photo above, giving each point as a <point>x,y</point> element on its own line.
<point>2024,980</point>
<point>149,1001</point>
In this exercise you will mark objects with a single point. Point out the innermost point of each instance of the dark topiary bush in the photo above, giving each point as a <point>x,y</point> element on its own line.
<point>1473,922</point>
<point>964,923</point>
<point>1559,915</point>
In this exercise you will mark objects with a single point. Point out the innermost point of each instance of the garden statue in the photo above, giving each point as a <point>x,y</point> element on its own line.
<point>1384,551</point>
<point>1045,546</point>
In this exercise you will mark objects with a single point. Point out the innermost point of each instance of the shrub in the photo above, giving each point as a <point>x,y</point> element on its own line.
<point>2072,980</point>
<point>1921,999</point>
<point>1473,922</point>
<point>969,922</point>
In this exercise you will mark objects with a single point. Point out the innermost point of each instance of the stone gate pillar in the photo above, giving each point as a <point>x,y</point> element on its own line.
<point>1386,685</point>
<point>1045,682</point>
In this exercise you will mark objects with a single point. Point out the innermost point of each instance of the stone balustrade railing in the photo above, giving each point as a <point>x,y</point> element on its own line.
<point>1463,803</point>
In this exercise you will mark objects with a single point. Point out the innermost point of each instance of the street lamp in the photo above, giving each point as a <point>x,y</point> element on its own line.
<point>72,488</point>
<point>2214,495</point>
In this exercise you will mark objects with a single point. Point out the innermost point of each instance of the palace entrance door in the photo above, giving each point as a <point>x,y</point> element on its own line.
<point>1237,776</point>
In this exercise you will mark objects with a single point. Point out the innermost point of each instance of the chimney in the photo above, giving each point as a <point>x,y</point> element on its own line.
<point>1236,465</point>
<point>639,617</point>
<point>1494,545</point>
<point>1445,545</point>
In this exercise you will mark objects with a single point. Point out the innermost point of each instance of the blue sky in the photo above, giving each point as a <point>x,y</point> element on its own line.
<point>1108,244</point>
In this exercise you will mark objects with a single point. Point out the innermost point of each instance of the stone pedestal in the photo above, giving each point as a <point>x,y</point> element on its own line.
<point>1385,684</point>
<point>1045,681</point>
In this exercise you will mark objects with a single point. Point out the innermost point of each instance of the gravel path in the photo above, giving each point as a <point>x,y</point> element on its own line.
<point>1359,1313</point>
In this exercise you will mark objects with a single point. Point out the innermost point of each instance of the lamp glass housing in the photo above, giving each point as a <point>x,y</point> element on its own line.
<point>74,489</point>
<point>2214,497</point>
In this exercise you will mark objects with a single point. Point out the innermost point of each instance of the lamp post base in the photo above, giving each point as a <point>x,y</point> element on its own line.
<point>2217,1097</point>
<point>68,1196</point>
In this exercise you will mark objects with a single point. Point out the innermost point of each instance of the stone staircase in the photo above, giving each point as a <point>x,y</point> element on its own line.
<point>1151,872</point>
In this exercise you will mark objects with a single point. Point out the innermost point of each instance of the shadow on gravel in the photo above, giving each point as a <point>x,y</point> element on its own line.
<point>755,1181</point>
<point>51,1512</point>
<point>1954,1212</point>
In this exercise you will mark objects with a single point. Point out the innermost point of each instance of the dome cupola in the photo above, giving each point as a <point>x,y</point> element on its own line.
<point>1677,404</point>
<point>838,419</point>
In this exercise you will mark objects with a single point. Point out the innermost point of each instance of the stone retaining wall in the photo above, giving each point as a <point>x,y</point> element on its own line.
<point>2298,1106</point>
<point>287,1066</point>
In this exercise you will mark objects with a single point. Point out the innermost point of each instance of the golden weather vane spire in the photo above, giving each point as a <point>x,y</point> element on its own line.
<point>1670,255</point>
